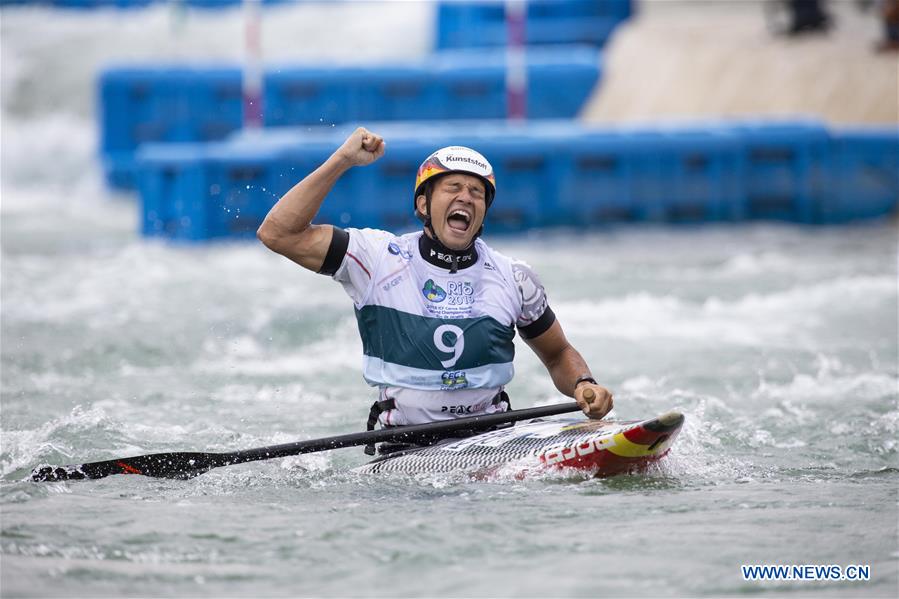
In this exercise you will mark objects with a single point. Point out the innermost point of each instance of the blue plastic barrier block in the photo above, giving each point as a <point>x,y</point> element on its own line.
<point>471,84</point>
<point>116,133</point>
<point>651,176</point>
<point>141,105</point>
<point>215,103</point>
<point>526,172</point>
<point>566,8</point>
<point>239,194</point>
<point>475,93</point>
<point>580,30</point>
<point>137,106</point>
<point>595,181</point>
<point>560,88</point>
<point>311,96</point>
<point>171,178</point>
<point>549,9</point>
<point>473,24</point>
<point>120,170</point>
<point>657,173</point>
<point>548,173</point>
<point>700,172</point>
<point>623,9</point>
<point>785,168</point>
<point>865,174</point>
<point>195,192</point>
<point>407,92</point>
<point>456,20</point>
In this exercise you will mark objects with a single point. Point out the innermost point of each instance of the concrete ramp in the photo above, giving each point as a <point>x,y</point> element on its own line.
<point>719,59</point>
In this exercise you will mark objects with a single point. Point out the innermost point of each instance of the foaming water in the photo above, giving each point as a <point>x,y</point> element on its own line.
<point>127,347</point>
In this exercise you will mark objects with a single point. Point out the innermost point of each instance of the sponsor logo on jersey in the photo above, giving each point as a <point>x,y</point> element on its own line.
<point>454,380</point>
<point>456,409</point>
<point>448,258</point>
<point>433,292</point>
<point>396,250</point>
<point>461,293</point>
<point>392,283</point>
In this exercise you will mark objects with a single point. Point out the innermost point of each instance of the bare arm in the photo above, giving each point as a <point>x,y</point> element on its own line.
<point>288,228</point>
<point>565,366</point>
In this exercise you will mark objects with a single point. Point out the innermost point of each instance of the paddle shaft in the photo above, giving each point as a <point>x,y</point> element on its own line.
<point>189,464</point>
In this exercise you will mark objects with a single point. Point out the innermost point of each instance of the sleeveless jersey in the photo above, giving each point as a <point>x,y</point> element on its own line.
<point>438,343</point>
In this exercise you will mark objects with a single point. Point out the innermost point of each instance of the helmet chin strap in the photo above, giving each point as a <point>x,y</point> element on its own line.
<point>429,225</point>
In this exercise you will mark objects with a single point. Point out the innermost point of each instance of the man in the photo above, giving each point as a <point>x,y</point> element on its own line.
<point>437,309</point>
<point>889,12</point>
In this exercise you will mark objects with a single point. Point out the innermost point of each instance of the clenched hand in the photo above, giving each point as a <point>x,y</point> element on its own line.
<point>595,400</point>
<point>362,147</point>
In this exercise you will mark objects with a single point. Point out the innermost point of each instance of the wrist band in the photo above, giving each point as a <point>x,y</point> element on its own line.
<point>585,379</point>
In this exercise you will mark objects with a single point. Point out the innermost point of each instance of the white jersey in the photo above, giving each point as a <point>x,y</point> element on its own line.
<point>438,343</point>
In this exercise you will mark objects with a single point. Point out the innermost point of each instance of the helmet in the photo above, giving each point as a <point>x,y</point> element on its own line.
<point>456,159</point>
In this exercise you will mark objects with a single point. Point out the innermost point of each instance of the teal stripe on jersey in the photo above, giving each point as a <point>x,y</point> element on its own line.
<point>437,344</point>
<point>379,372</point>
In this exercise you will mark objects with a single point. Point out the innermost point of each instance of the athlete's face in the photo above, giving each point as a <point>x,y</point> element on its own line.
<point>458,206</point>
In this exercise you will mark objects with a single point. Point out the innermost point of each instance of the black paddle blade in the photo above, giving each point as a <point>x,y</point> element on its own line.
<point>181,465</point>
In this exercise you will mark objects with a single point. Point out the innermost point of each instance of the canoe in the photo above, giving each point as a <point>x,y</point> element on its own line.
<point>598,447</point>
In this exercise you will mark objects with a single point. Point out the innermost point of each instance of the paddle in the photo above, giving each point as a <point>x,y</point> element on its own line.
<point>189,464</point>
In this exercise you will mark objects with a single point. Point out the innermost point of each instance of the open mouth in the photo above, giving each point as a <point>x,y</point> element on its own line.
<point>459,220</point>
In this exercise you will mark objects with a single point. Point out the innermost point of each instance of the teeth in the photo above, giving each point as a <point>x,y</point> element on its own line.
<point>461,213</point>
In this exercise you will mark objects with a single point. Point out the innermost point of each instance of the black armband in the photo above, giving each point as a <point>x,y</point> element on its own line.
<point>539,326</point>
<point>340,241</point>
